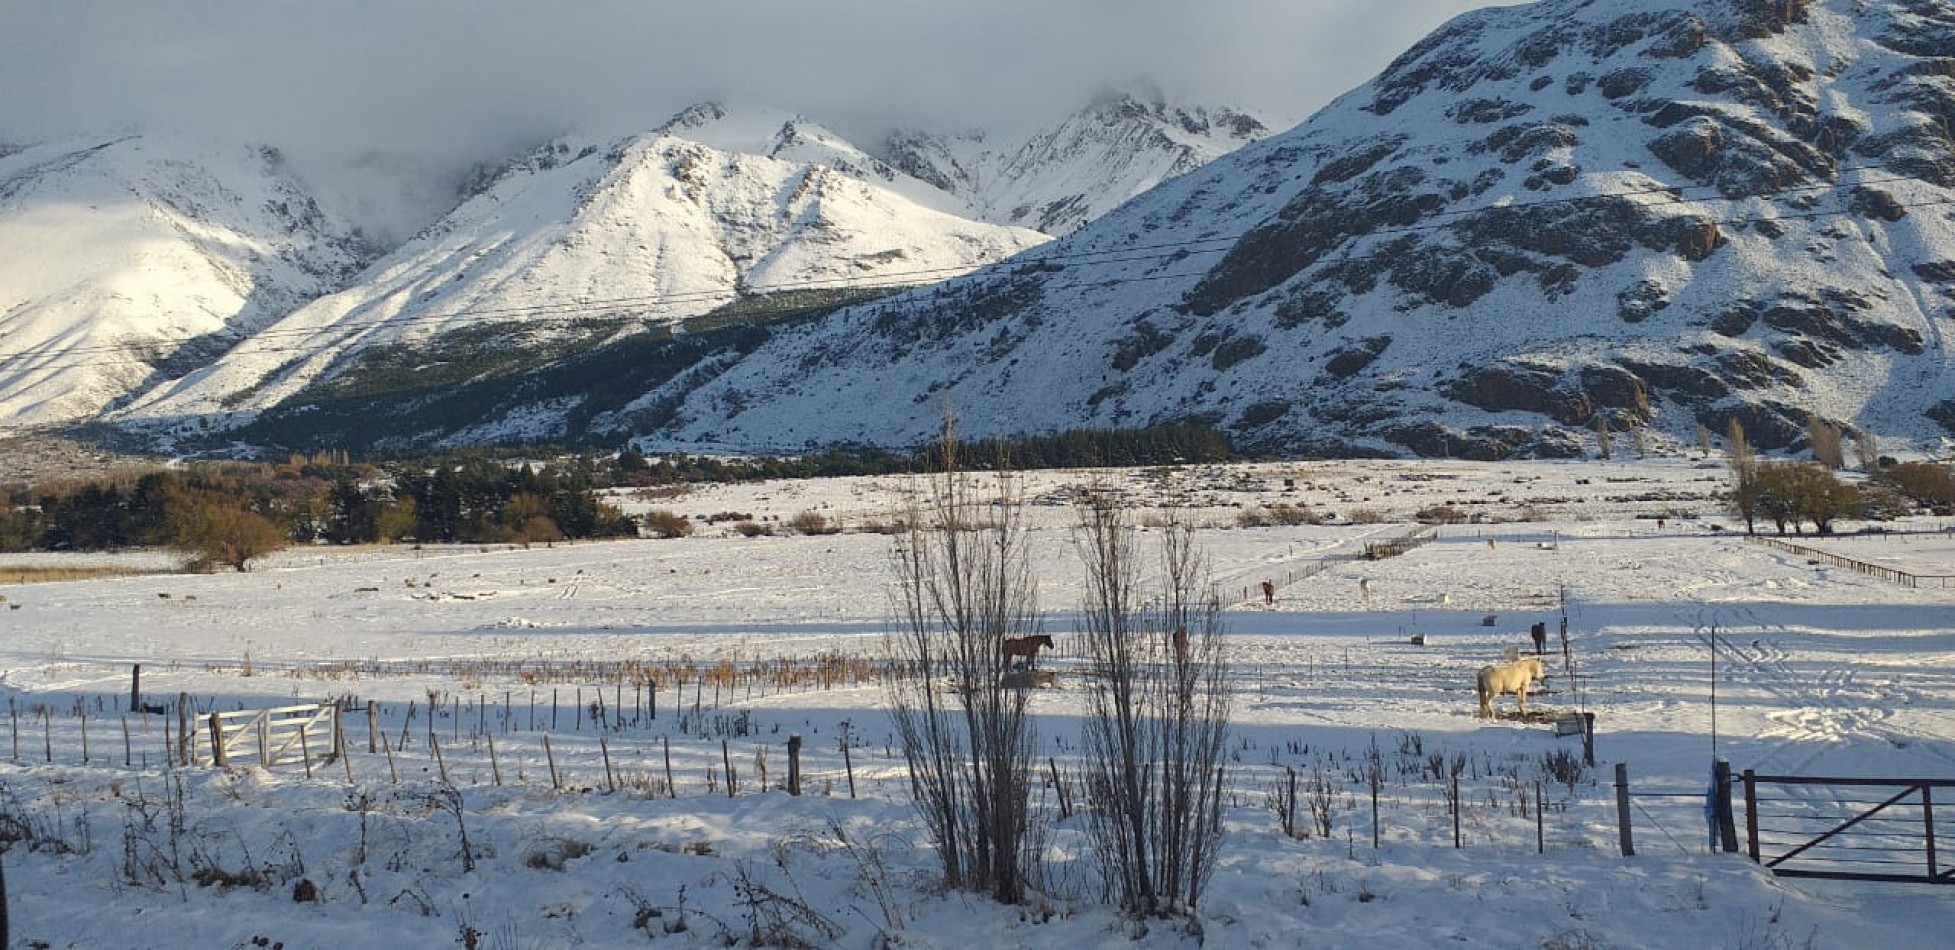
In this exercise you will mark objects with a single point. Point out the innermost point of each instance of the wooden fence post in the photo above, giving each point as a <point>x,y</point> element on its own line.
<point>1290,809</point>
<point>3,905</point>
<point>551,757</point>
<point>1727,825</point>
<point>136,688</point>
<point>671,788</point>
<point>1622,809</point>
<point>848,765</point>
<point>219,756</point>
<point>726,759</point>
<point>604,747</point>
<point>373,718</point>
<point>794,764</point>
<point>393,773</point>
<point>1588,739</point>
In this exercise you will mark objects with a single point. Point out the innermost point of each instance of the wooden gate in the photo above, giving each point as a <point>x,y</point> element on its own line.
<point>269,737</point>
<point>1863,829</point>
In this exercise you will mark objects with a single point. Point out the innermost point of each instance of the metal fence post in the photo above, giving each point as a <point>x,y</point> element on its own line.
<point>1928,831</point>
<point>1622,809</point>
<point>1751,813</point>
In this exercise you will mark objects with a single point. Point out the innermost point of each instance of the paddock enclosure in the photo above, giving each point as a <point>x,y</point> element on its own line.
<point>640,696</point>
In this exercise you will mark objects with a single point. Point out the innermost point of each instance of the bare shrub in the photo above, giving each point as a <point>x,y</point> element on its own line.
<point>812,523</point>
<point>752,529</point>
<point>964,583</point>
<point>1280,513</point>
<point>885,526</point>
<point>666,524</point>
<point>1366,516</point>
<point>1564,767</point>
<point>1441,514</point>
<point>1253,518</point>
<point>1157,712</point>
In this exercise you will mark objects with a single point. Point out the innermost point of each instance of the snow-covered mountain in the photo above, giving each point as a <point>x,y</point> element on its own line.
<point>127,258</point>
<point>1539,221</point>
<point>585,241</point>
<point>1060,178</point>
<point>219,256</point>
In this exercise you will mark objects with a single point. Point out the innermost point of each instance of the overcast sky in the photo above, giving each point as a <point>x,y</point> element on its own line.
<point>443,81</point>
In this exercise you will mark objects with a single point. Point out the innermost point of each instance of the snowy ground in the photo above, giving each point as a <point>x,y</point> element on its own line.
<point>1820,671</point>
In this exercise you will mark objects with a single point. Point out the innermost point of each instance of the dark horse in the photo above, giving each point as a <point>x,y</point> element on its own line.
<point>1027,647</point>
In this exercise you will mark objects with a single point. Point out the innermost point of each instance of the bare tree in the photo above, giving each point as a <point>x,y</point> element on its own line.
<point>1825,439</point>
<point>1866,450</point>
<point>964,583</point>
<point>1744,477</point>
<point>1157,712</point>
<point>1604,444</point>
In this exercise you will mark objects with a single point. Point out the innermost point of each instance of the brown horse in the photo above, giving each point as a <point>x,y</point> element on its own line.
<point>1026,647</point>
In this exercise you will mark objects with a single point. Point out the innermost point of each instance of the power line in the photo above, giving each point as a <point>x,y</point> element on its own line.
<point>41,357</point>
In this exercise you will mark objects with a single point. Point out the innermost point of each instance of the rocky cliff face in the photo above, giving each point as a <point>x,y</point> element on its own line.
<point>1538,222</point>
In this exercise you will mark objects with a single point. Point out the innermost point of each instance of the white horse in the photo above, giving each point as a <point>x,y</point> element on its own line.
<point>1513,678</point>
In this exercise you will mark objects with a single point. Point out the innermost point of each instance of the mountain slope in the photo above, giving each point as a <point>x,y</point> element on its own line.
<point>1119,146</point>
<point>579,244</point>
<point>125,257</point>
<point>1539,221</point>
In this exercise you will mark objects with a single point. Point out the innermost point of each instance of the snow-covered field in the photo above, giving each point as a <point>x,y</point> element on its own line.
<point>1820,671</point>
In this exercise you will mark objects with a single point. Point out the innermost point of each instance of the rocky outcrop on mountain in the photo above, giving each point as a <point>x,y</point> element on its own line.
<point>1540,221</point>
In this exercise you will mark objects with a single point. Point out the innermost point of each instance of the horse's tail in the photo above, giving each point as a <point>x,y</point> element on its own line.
<point>1484,686</point>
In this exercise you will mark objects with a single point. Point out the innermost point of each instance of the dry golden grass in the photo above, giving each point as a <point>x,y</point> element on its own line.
<point>29,574</point>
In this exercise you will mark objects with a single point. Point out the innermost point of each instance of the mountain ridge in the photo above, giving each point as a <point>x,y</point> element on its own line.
<point>1538,222</point>
<point>247,355</point>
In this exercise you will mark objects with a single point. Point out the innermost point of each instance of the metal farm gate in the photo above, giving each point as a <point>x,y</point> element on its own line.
<point>1863,829</point>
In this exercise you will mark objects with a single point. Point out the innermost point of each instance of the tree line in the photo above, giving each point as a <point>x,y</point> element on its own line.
<point>1079,448</point>
<point>225,514</point>
<point>1789,494</point>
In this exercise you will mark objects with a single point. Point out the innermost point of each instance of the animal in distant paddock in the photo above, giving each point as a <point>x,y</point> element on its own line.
<point>1513,678</point>
<point>1027,648</point>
